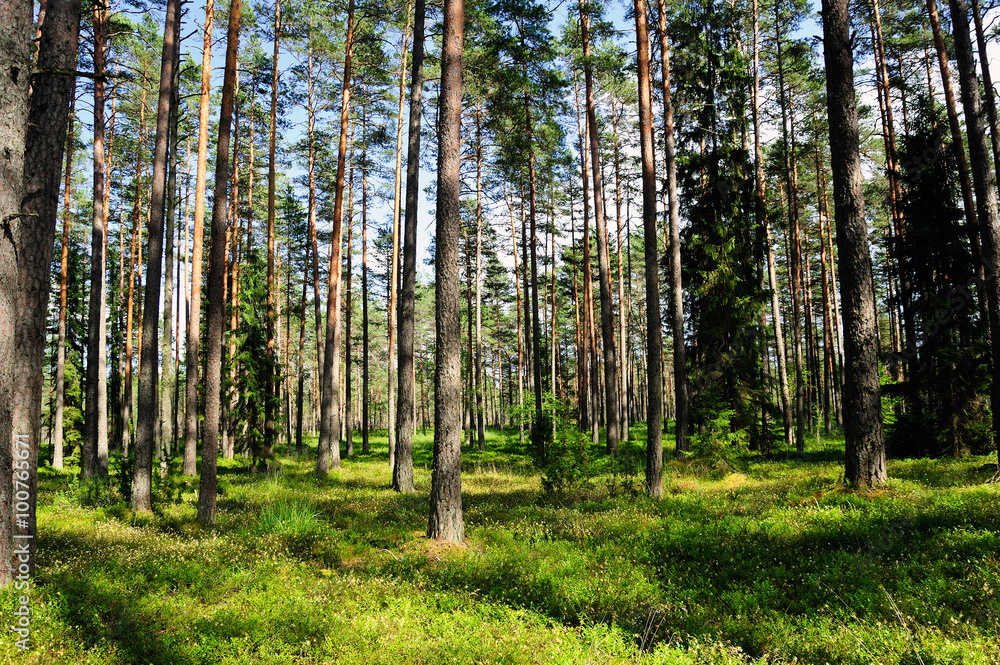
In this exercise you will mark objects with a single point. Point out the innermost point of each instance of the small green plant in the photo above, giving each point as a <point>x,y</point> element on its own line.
<point>293,519</point>
<point>566,465</point>
<point>719,444</point>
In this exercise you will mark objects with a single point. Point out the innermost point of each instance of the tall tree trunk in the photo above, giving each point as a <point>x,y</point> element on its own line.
<point>445,522</point>
<point>191,366</point>
<point>271,388</point>
<point>991,101</point>
<point>985,182</point>
<point>392,306</point>
<point>622,309</point>
<point>329,433</point>
<point>365,397</point>
<point>165,436</point>
<point>957,139</point>
<point>603,261</point>
<point>44,143</point>
<point>16,31</point>
<point>676,286</point>
<point>402,470</point>
<point>480,415</point>
<point>216,314</point>
<point>765,219</point>
<point>865,464</point>
<point>96,414</point>
<point>585,387</point>
<point>349,308</point>
<point>149,412</point>
<point>654,341</point>
<point>60,387</point>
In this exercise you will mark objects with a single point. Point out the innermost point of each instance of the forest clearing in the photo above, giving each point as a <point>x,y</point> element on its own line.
<point>657,331</point>
<point>764,561</point>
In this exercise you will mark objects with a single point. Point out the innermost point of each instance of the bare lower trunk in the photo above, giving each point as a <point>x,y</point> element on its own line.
<point>216,281</point>
<point>865,464</point>
<point>402,470</point>
<point>445,522</point>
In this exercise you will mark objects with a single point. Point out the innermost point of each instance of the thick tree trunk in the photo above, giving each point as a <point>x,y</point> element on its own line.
<point>45,140</point>
<point>865,464</point>
<point>676,286</point>
<point>148,413</point>
<point>191,366</point>
<point>402,470</point>
<point>445,521</point>
<point>216,315</point>
<point>654,341</point>
<point>16,31</point>
<point>984,179</point>
<point>330,423</point>
<point>165,436</point>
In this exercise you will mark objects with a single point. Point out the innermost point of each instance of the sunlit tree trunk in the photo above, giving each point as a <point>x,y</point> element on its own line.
<point>445,522</point>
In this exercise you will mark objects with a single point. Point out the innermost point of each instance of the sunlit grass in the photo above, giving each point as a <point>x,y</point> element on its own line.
<point>770,562</point>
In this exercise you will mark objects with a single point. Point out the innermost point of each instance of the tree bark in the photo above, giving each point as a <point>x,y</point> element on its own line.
<point>603,260</point>
<point>330,424</point>
<point>402,470</point>
<point>676,286</point>
<point>148,413</point>
<point>216,314</point>
<point>865,463</point>
<point>445,522</point>
<point>60,387</point>
<point>191,367</point>
<point>654,341</point>
<point>271,387</point>
<point>96,414</point>
<point>984,180</point>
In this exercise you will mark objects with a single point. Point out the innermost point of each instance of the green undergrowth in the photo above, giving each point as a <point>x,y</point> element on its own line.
<point>754,561</point>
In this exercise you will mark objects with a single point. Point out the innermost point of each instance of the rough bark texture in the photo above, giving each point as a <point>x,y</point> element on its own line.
<point>217,281</point>
<point>330,424</point>
<point>603,260</point>
<point>148,413</point>
<point>984,181</point>
<point>654,341</point>
<point>445,521</point>
<point>194,312</point>
<point>45,142</point>
<point>95,434</point>
<point>676,287</point>
<point>402,470</point>
<point>15,57</point>
<point>865,464</point>
<point>271,387</point>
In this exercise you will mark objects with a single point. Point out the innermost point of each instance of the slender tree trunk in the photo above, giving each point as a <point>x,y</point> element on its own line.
<point>480,415</point>
<point>402,469</point>
<point>445,522</point>
<point>764,218</point>
<point>392,306</point>
<point>96,414</point>
<point>194,315</point>
<point>676,286</point>
<point>216,280</point>
<point>329,434</point>
<point>957,139</point>
<point>991,101</point>
<point>60,387</point>
<point>365,397</point>
<point>654,341</point>
<point>603,260</point>
<point>622,309</point>
<point>985,182</point>
<point>270,380</point>
<point>148,413</point>
<point>865,465</point>
<point>165,445</point>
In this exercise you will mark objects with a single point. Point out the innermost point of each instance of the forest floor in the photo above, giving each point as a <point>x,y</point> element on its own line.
<point>766,561</point>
